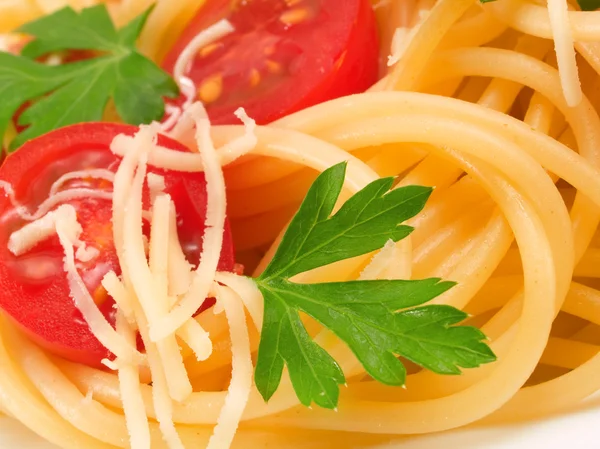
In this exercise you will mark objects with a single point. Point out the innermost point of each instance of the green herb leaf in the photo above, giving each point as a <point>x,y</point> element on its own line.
<point>363,224</point>
<point>585,5</point>
<point>589,5</point>
<point>378,320</point>
<point>79,92</point>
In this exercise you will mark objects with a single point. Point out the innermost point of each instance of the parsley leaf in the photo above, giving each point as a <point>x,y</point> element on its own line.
<point>589,5</point>
<point>378,320</point>
<point>363,224</point>
<point>79,92</point>
<point>585,5</point>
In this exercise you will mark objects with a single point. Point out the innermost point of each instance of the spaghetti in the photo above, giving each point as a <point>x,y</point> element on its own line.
<point>474,102</point>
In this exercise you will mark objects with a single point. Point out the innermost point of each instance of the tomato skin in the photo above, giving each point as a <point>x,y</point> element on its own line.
<point>42,306</point>
<point>336,53</point>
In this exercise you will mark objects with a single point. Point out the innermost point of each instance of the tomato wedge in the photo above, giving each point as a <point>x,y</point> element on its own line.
<point>33,287</point>
<point>283,56</point>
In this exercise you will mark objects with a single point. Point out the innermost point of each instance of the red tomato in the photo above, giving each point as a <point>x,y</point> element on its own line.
<point>33,287</point>
<point>283,56</point>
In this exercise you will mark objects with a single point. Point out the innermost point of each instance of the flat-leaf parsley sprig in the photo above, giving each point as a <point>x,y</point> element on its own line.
<point>585,5</point>
<point>76,92</point>
<point>379,320</point>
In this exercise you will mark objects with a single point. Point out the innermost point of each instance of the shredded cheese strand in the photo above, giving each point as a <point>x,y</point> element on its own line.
<point>194,335</point>
<point>152,295</point>
<point>168,159</point>
<point>114,287</point>
<point>213,236</point>
<point>241,371</point>
<point>211,34</point>
<point>565,51</point>
<point>187,86</point>
<point>24,239</point>
<point>156,185</point>
<point>248,292</point>
<point>403,36</point>
<point>84,302</point>
<point>179,269</point>
<point>242,145</point>
<point>131,393</point>
<point>52,201</point>
<point>95,173</point>
<point>129,149</point>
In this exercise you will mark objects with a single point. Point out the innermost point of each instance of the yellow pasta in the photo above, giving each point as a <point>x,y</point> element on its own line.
<point>474,107</point>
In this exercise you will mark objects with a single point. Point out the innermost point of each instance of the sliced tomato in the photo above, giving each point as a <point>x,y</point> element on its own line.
<point>33,287</point>
<point>283,56</point>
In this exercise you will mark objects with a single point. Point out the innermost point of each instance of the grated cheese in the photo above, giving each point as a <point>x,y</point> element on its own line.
<point>163,406</point>
<point>95,173</point>
<point>213,236</point>
<point>159,292</point>
<point>179,269</point>
<point>241,145</point>
<point>98,324</point>
<point>211,34</point>
<point>161,398</point>
<point>565,51</point>
<point>241,371</point>
<point>159,244</point>
<point>151,294</point>
<point>381,4</point>
<point>31,234</point>
<point>130,150</point>
<point>156,185</point>
<point>403,36</point>
<point>131,393</point>
<point>114,287</point>
<point>110,364</point>
<point>192,162</point>
<point>249,293</point>
<point>88,399</point>
<point>187,86</point>
<point>194,335</point>
<point>52,201</point>
<point>86,254</point>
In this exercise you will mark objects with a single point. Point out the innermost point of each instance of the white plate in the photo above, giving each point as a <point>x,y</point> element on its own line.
<point>579,429</point>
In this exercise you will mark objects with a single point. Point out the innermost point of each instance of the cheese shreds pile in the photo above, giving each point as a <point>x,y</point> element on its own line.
<point>158,291</point>
<point>167,307</point>
<point>192,162</point>
<point>63,222</point>
<point>213,236</point>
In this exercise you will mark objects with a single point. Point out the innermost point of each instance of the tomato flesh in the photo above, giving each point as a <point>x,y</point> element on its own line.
<point>33,287</point>
<point>283,56</point>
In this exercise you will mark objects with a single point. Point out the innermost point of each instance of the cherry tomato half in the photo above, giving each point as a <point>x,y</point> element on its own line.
<point>33,287</point>
<point>283,56</point>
